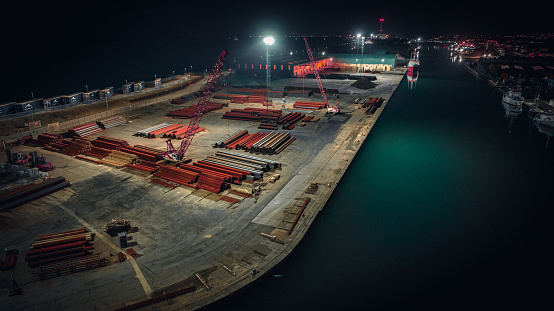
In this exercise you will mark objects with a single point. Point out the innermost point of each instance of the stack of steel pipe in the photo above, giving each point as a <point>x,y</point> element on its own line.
<point>272,144</point>
<point>47,139</point>
<point>258,96</point>
<point>111,122</point>
<point>85,130</point>
<point>76,147</point>
<point>27,194</point>
<point>231,139</point>
<point>260,166</point>
<point>110,143</point>
<point>272,164</point>
<point>59,246</point>
<point>227,176</point>
<point>239,174</point>
<point>180,132</point>
<point>145,131</point>
<point>311,105</point>
<point>291,118</point>
<point>160,132</point>
<point>268,126</point>
<point>247,141</point>
<point>253,172</point>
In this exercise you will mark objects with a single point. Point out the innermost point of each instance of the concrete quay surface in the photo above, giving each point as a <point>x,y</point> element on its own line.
<point>180,233</point>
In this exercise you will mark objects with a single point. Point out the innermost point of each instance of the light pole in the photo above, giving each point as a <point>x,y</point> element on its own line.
<point>269,40</point>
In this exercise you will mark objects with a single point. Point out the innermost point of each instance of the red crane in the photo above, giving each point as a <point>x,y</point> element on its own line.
<point>334,109</point>
<point>179,154</point>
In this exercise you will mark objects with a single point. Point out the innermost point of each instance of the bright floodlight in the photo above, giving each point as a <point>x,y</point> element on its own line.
<point>359,35</point>
<point>269,40</point>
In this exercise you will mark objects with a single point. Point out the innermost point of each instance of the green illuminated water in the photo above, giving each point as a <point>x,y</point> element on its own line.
<point>441,209</point>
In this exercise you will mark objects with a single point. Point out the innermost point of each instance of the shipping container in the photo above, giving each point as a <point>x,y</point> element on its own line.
<point>92,95</point>
<point>138,86</point>
<point>73,98</point>
<point>52,101</point>
<point>127,88</point>
<point>29,105</point>
<point>7,108</point>
<point>107,92</point>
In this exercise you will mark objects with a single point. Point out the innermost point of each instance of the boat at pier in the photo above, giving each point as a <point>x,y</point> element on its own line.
<point>512,100</point>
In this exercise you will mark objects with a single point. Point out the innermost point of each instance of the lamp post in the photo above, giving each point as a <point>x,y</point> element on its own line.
<point>269,40</point>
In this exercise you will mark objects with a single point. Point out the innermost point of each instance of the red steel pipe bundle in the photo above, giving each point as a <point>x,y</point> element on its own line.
<point>110,143</point>
<point>311,105</point>
<point>201,170</point>
<point>76,147</point>
<point>189,112</point>
<point>141,154</point>
<point>60,246</point>
<point>181,132</point>
<point>229,199</point>
<point>268,126</point>
<point>85,130</point>
<point>47,139</point>
<point>9,261</point>
<point>160,132</point>
<point>224,142</point>
<point>150,150</point>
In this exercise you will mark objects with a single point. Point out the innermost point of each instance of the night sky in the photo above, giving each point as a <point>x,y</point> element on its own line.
<point>65,39</point>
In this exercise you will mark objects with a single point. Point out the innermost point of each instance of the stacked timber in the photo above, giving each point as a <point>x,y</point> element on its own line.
<point>119,159</point>
<point>56,247</point>
<point>111,122</point>
<point>310,119</point>
<point>30,193</point>
<point>85,130</point>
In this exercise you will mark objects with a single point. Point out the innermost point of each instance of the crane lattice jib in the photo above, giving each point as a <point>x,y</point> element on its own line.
<point>321,89</point>
<point>200,110</point>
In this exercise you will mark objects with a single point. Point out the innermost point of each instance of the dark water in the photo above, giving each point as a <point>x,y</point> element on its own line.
<point>441,209</point>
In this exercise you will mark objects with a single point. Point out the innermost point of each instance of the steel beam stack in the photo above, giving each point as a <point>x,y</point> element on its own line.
<point>30,193</point>
<point>85,130</point>
<point>145,131</point>
<point>111,122</point>
<point>253,114</point>
<point>110,143</point>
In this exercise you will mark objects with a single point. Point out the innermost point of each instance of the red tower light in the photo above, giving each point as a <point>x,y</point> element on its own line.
<point>382,20</point>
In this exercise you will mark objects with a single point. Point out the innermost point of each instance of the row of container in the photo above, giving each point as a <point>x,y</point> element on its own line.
<point>40,103</point>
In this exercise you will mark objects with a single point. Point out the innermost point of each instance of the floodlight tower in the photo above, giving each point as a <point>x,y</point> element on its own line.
<point>381,20</point>
<point>269,40</point>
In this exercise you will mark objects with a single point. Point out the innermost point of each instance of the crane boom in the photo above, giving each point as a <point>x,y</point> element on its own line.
<point>334,109</point>
<point>177,155</point>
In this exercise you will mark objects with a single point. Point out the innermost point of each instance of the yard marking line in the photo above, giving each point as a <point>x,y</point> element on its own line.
<point>140,276</point>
